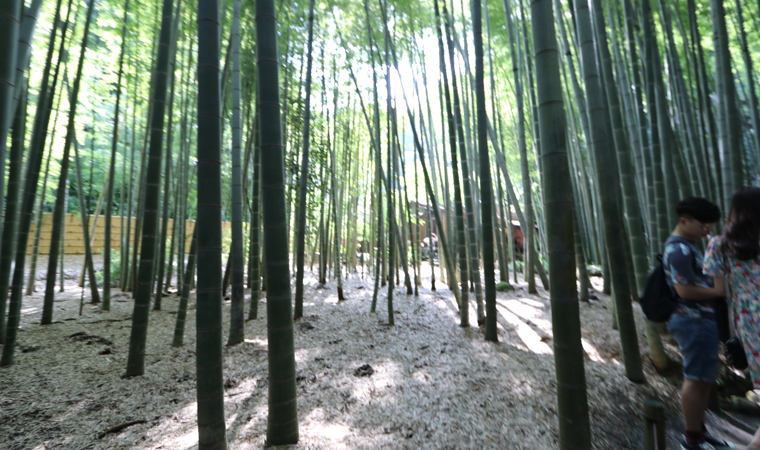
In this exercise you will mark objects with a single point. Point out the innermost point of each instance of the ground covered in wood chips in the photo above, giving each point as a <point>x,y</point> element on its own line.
<point>423,383</point>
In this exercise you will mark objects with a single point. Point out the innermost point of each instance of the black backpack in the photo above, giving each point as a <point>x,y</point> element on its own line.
<point>658,301</point>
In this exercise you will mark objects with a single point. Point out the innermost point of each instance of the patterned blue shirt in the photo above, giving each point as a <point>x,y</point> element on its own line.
<point>683,262</point>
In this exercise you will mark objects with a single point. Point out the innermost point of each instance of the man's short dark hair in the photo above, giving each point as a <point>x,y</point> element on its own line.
<point>698,208</point>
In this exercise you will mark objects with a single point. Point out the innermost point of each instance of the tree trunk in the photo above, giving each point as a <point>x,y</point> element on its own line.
<point>208,318</point>
<point>282,423</point>
<point>605,162</point>
<point>486,189</point>
<point>58,215</point>
<point>179,327</point>
<point>237,309</point>
<point>729,122</point>
<point>9,329</point>
<point>158,269</point>
<point>10,19</point>
<point>111,171</point>
<point>144,281</point>
<point>572,407</point>
<point>472,239</point>
<point>303,188</point>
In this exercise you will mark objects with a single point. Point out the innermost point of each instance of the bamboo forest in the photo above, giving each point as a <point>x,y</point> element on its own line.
<point>333,224</point>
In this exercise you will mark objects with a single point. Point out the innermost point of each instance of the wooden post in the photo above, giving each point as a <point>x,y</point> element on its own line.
<point>654,425</point>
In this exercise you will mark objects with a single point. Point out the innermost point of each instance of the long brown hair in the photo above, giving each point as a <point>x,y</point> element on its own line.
<point>742,232</point>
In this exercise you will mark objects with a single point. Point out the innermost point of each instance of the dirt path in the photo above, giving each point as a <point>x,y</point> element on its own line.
<point>432,384</point>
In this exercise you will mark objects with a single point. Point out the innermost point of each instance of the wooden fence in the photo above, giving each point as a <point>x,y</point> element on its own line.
<point>74,240</point>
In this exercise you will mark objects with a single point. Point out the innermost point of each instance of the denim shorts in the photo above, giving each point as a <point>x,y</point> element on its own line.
<point>697,338</point>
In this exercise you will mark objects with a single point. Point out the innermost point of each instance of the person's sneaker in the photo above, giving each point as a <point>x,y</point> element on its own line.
<point>704,445</point>
<point>717,442</point>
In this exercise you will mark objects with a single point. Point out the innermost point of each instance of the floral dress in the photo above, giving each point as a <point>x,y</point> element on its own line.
<point>743,282</point>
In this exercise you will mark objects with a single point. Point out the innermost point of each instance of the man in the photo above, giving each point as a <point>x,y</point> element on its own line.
<point>693,322</point>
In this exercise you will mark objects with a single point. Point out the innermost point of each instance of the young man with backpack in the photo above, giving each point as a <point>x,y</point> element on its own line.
<point>693,323</point>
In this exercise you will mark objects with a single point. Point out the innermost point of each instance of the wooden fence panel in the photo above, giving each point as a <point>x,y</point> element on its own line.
<point>73,243</point>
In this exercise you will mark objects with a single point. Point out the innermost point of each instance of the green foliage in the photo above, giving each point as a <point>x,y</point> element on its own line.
<point>115,270</point>
<point>504,286</point>
<point>594,270</point>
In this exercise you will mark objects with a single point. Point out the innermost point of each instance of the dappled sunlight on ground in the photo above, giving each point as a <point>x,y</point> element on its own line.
<point>332,299</point>
<point>27,311</point>
<point>529,337</point>
<point>591,351</point>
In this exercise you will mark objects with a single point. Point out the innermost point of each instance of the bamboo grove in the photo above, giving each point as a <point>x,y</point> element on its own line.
<point>328,133</point>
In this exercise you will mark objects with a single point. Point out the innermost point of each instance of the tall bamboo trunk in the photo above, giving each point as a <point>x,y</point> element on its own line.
<point>111,171</point>
<point>529,254</point>
<point>10,226</point>
<point>754,109</point>
<point>9,328</point>
<point>729,122</point>
<point>255,248</point>
<point>472,239</point>
<point>144,281</point>
<point>303,188</point>
<point>448,257</point>
<point>158,269</point>
<point>572,407</point>
<point>179,327</point>
<point>635,226</point>
<point>58,214</point>
<point>486,189</point>
<point>10,20</point>
<point>208,318</point>
<point>237,309</point>
<point>282,423</point>
<point>606,164</point>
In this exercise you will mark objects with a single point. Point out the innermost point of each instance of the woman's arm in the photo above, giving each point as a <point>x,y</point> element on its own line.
<point>701,293</point>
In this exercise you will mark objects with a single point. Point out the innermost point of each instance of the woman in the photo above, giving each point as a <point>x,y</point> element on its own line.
<point>735,257</point>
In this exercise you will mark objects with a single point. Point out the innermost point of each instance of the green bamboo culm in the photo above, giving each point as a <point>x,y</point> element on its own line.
<point>29,20</point>
<point>440,224</point>
<point>631,206</point>
<point>391,126</point>
<point>471,243</point>
<point>660,209</point>
<point>461,242</point>
<point>144,281</point>
<point>19,65</point>
<point>10,23</point>
<point>254,278</point>
<point>59,211</point>
<point>13,202</point>
<point>606,170</point>
<point>572,401</point>
<point>8,329</point>
<point>282,422</point>
<point>729,122</point>
<point>36,151</point>
<point>85,221</point>
<point>26,37</point>
<point>208,317</point>
<point>486,188</point>
<point>754,110</point>
<point>187,281</point>
<point>237,307</point>
<point>13,196</point>
<point>158,269</point>
<point>111,173</point>
<point>303,188</point>
<point>530,257</point>
<point>572,407</point>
